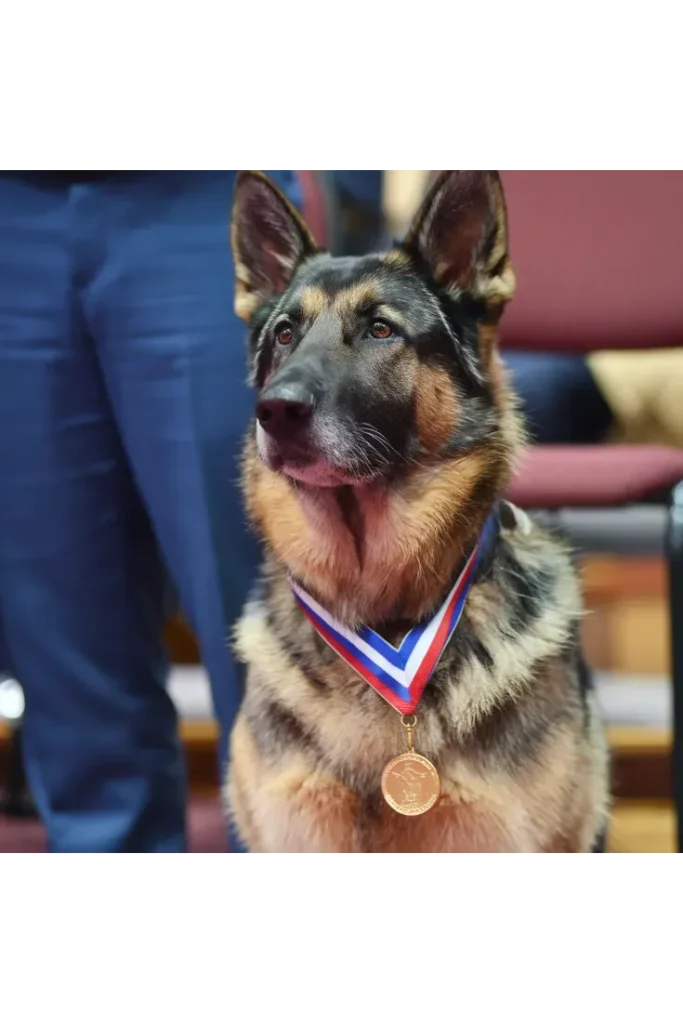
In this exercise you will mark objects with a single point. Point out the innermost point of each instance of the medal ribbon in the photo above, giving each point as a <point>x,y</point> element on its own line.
<point>398,674</point>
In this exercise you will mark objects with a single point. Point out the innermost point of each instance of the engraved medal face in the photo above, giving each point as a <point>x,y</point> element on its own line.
<point>410,784</point>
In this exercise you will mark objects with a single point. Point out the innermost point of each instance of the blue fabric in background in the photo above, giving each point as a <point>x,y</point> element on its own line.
<point>363,186</point>
<point>560,399</point>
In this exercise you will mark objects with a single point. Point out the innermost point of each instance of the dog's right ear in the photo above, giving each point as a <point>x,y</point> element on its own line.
<point>269,241</point>
<point>460,233</point>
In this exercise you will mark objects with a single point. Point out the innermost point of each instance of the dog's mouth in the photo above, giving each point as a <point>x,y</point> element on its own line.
<point>322,474</point>
<point>311,464</point>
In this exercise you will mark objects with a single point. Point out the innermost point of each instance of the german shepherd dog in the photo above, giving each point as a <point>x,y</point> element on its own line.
<point>384,438</point>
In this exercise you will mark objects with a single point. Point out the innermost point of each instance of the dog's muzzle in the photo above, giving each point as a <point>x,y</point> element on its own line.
<point>286,410</point>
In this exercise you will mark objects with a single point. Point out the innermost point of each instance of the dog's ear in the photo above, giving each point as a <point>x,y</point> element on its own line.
<point>460,232</point>
<point>269,240</point>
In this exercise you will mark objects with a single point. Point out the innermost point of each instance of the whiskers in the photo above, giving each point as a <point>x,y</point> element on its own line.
<point>374,451</point>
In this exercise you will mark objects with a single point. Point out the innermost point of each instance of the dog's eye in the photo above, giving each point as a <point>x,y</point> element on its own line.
<point>381,330</point>
<point>283,334</point>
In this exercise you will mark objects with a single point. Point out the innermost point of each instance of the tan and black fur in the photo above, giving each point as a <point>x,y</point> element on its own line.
<point>385,436</point>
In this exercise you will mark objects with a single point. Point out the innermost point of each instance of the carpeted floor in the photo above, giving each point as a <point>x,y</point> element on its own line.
<point>205,819</point>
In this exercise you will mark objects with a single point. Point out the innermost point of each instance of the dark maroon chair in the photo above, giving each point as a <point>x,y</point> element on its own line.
<point>599,264</point>
<point>316,206</point>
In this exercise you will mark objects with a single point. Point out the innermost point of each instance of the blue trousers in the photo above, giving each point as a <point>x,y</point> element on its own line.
<point>122,408</point>
<point>363,186</point>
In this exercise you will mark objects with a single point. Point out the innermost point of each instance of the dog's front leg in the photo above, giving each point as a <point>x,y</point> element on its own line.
<point>301,810</point>
<point>288,804</point>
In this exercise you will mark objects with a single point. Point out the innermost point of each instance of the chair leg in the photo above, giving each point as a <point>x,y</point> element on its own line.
<point>674,548</point>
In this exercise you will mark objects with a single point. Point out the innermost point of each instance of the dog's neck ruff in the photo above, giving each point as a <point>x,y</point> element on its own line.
<point>399,674</point>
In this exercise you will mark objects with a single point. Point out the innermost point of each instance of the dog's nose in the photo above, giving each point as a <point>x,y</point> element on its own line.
<point>285,410</point>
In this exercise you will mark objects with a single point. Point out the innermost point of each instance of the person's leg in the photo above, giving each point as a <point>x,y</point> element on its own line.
<point>81,587</point>
<point>359,203</point>
<point>174,357</point>
<point>561,400</point>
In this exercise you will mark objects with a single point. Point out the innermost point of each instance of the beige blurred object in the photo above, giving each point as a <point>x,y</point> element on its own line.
<point>403,192</point>
<point>644,390</point>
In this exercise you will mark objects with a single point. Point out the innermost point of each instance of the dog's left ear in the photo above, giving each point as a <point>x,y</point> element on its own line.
<point>269,241</point>
<point>460,232</point>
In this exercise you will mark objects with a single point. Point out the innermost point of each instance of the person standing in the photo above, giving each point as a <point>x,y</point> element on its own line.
<point>123,405</point>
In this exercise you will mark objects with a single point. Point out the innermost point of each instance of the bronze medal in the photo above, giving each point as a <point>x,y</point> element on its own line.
<point>410,783</point>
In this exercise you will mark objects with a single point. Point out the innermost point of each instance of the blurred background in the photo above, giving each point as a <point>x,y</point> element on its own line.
<point>594,344</point>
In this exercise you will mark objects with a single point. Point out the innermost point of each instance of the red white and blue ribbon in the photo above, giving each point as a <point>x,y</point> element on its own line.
<point>399,674</point>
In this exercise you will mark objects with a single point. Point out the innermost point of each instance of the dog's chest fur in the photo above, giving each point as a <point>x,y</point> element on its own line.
<point>507,716</point>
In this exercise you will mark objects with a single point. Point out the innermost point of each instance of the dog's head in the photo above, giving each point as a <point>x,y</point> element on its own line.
<point>375,372</point>
<point>368,367</point>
